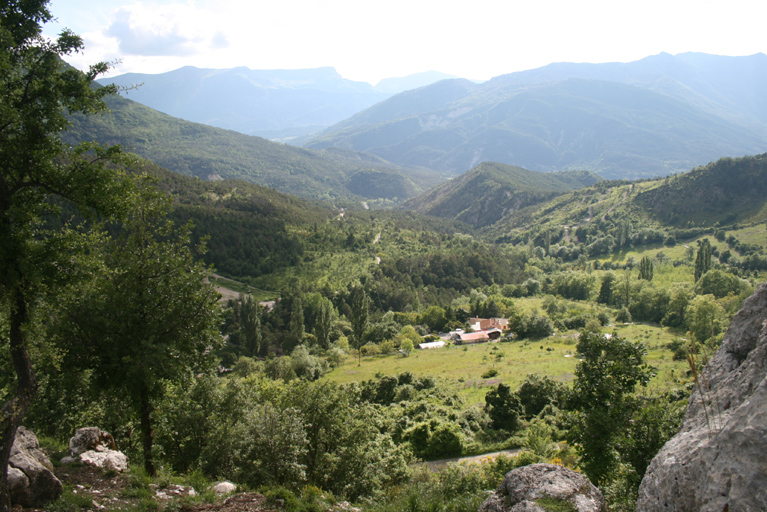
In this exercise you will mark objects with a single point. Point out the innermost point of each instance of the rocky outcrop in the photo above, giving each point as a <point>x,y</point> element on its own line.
<point>30,473</point>
<point>93,446</point>
<point>530,488</point>
<point>718,459</point>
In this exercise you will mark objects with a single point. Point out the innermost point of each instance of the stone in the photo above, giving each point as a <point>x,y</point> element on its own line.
<point>90,438</point>
<point>224,488</point>
<point>30,474</point>
<point>717,459</point>
<point>521,488</point>
<point>105,459</point>
<point>97,448</point>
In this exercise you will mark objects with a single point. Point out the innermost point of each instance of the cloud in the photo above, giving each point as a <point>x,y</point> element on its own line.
<point>166,30</point>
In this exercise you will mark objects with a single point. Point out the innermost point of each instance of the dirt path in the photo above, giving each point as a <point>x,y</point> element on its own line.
<point>436,465</point>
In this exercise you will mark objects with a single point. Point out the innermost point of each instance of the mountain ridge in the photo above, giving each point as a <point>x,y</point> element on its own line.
<point>533,118</point>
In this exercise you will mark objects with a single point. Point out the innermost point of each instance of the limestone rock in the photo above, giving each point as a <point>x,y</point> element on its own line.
<point>97,448</point>
<point>717,460</point>
<point>90,438</point>
<point>105,459</point>
<point>30,476</point>
<point>523,486</point>
<point>224,488</point>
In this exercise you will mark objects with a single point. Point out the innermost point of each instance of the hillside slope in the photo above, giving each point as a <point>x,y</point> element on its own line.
<point>211,153</point>
<point>654,117</point>
<point>490,191</point>
<point>727,191</point>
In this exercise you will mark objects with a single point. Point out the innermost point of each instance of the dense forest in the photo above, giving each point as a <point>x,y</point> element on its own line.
<point>614,293</point>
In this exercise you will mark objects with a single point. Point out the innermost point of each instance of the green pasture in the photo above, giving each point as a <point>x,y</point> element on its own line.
<point>461,368</point>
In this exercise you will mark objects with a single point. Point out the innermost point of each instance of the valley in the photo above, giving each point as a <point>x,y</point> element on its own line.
<point>578,238</point>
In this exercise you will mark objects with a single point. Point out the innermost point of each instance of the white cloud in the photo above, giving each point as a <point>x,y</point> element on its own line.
<point>373,40</point>
<point>167,30</point>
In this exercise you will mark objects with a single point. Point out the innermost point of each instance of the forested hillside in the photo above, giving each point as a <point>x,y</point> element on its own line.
<point>491,191</point>
<point>212,153</point>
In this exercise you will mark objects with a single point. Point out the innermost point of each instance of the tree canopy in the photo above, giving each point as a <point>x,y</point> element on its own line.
<point>37,169</point>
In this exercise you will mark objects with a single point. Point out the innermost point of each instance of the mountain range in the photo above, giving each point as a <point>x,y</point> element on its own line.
<point>653,117</point>
<point>275,104</point>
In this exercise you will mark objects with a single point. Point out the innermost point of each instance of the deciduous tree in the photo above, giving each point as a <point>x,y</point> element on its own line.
<point>610,370</point>
<point>359,318</point>
<point>150,318</point>
<point>37,90</point>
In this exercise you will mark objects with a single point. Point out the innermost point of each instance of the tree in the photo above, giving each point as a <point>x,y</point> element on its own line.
<point>606,289</point>
<point>503,407</point>
<point>703,259</point>
<point>297,318</point>
<point>610,370</point>
<point>150,318</point>
<point>704,317</point>
<point>719,284</point>
<point>646,268</point>
<point>359,319</point>
<point>536,392</point>
<point>250,326</point>
<point>37,90</point>
<point>324,323</point>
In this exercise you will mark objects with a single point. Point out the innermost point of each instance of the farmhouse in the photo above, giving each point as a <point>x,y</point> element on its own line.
<point>483,324</point>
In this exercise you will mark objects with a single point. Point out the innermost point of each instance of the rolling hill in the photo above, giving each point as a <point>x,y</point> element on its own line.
<point>724,192</point>
<point>653,117</point>
<point>491,191</point>
<point>212,153</point>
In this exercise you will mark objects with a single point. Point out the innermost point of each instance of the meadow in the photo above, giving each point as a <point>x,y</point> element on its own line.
<point>461,368</point>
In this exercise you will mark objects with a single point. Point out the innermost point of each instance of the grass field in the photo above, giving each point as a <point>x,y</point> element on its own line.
<point>460,368</point>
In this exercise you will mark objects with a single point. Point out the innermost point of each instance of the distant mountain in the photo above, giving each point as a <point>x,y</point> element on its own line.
<point>490,191</point>
<point>653,117</point>
<point>414,81</point>
<point>276,104</point>
<point>210,153</point>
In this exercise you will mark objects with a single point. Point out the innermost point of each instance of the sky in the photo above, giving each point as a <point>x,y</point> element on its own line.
<point>368,40</point>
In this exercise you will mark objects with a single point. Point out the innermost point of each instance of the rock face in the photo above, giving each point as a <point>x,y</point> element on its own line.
<point>718,460</point>
<point>523,487</point>
<point>97,448</point>
<point>30,473</point>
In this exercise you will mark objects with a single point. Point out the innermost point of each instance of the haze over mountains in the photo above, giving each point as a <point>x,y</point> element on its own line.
<point>212,154</point>
<point>276,104</point>
<point>654,117</point>
<point>660,115</point>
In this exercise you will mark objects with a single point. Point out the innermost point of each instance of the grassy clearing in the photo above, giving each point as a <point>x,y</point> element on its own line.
<point>756,234</point>
<point>461,368</point>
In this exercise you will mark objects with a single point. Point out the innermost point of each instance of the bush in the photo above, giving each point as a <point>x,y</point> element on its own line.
<point>623,316</point>
<point>536,392</point>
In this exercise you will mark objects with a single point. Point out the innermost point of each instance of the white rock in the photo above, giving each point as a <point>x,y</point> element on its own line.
<point>224,488</point>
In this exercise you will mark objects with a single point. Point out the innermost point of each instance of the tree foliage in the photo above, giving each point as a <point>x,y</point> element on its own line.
<point>37,91</point>
<point>610,370</point>
<point>149,318</point>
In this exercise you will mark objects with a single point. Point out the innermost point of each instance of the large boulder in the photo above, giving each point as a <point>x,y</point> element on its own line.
<point>95,447</point>
<point>718,460</point>
<point>90,438</point>
<point>30,474</point>
<point>529,488</point>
